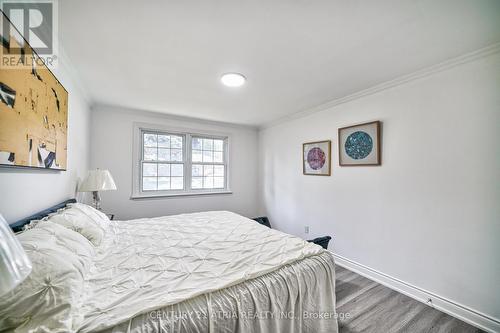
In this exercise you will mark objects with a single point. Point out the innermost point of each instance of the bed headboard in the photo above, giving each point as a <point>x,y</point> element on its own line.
<point>18,225</point>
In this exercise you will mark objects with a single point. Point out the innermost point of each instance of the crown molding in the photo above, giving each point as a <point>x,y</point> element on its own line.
<point>419,74</point>
<point>102,107</point>
<point>69,71</point>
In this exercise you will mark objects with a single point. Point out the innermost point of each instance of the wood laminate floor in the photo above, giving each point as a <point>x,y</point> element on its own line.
<point>374,308</point>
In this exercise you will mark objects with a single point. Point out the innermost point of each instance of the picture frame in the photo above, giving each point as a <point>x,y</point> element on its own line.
<point>33,107</point>
<point>359,145</point>
<point>316,158</point>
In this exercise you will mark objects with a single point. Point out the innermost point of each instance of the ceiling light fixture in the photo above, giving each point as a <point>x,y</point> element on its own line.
<point>233,79</point>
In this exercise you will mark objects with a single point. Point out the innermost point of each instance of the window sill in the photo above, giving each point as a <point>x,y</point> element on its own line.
<point>177,195</point>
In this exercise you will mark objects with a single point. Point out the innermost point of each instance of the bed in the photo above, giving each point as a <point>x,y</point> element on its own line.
<point>203,272</point>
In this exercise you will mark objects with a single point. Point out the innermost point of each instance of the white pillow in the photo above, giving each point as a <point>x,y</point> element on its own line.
<point>80,222</point>
<point>49,299</point>
<point>72,241</point>
<point>96,215</point>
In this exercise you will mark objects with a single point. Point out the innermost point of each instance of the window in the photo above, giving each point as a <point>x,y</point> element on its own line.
<point>208,169</point>
<point>162,162</point>
<point>179,163</point>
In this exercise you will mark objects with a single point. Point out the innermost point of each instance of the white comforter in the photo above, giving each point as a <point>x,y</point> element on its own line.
<point>147,264</point>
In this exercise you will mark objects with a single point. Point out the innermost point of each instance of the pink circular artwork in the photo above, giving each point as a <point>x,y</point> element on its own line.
<point>316,158</point>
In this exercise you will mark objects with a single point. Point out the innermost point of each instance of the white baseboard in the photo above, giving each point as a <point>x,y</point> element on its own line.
<point>462,312</point>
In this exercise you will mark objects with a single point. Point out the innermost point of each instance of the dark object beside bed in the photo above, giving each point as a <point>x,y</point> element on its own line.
<point>263,220</point>
<point>321,241</point>
<point>18,226</point>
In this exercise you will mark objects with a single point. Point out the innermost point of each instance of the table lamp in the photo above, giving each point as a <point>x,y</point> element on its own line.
<point>15,265</point>
<point>97,180</point>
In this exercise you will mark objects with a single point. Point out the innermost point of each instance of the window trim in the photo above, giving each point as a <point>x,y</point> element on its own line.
<point>187,134</point>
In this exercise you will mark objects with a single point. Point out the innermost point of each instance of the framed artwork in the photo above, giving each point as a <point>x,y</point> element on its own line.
<point>33,107</point>
<point>360,144</point>
<point>316,158</point>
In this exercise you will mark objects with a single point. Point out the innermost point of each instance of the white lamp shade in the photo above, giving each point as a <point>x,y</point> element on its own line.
<point>98,180</point>
<point>15,265</point>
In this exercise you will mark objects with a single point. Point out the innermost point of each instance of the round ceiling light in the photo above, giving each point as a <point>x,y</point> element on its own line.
<point>233,79</point>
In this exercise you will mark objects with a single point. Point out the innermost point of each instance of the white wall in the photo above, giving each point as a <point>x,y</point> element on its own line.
<point>430,215</point>
<point>26,191</point>
<point>111,142</point>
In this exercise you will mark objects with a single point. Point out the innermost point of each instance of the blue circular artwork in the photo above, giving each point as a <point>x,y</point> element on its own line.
<point>358,145</point>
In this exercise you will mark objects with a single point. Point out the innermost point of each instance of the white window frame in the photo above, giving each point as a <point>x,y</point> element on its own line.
<point>187,134</point>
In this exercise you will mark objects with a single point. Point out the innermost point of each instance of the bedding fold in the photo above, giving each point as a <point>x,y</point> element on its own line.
<point>146,265</point>
<point>297,297</point>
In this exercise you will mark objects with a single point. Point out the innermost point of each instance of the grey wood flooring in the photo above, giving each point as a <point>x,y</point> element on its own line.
<point>374,308</point>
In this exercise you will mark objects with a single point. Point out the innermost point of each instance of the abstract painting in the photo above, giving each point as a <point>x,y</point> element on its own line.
<point>360,144</point>
<point>33,107</point>
<point>316,158</point>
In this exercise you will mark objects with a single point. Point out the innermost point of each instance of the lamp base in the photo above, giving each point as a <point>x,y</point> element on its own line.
<point>97,200</point>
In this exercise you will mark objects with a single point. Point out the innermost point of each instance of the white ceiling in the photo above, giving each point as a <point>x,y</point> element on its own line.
<point>167,56</point>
